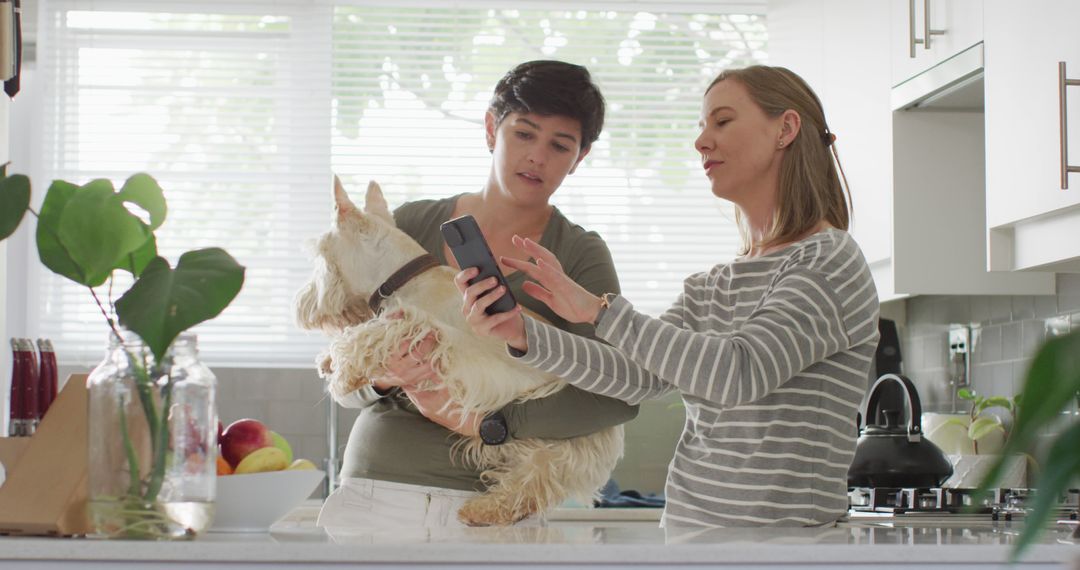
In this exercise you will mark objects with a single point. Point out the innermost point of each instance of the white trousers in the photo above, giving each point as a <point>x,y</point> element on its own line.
<point>368,503</point>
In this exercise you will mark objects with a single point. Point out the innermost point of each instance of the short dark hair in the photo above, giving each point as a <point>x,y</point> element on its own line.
<point>548,88</point>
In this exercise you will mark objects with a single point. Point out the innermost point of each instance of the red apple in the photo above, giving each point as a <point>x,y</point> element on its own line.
<point>243,437</point>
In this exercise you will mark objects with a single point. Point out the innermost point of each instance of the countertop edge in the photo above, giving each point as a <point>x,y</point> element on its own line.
<point>25,549</point>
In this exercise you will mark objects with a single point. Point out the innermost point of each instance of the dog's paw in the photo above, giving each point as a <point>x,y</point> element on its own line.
<point>324,362</point>
<point>473,513</point>
<point>341,385</point>
<point>488,511</point>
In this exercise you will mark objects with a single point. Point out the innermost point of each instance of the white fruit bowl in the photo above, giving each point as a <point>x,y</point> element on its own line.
<point>253,501</point>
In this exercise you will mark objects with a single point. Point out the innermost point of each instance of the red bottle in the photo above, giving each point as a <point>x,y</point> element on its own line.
<point>24,379</point>
<point>17,409</point>
<point>47,376</point>
<point>30,386</point>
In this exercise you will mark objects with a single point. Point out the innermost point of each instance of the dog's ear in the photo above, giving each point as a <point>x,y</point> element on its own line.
<point>342,204</point>
<point>375,204</point>
<point>324,304</point>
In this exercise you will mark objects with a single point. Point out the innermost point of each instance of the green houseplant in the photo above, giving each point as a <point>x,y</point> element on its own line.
<point>1050,388</point>
<point>976,440</point>
<point>86,233</point>
<point>981,424</point>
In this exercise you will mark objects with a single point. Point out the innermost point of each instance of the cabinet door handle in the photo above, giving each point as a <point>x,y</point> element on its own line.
<point>1063,115</point>
<point>927,31</point>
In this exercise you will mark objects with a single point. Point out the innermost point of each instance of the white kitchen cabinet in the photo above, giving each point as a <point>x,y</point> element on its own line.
<point>841,48</point>
<point>959,21</point>
<point>1033,223</point>
<point>916,177</point>
<point>5,355</point>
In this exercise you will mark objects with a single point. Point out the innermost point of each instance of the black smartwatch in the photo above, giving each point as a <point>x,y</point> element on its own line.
<point>493,429</point>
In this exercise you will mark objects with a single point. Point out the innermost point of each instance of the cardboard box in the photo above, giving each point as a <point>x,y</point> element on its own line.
<point>11,449</point>
<point>45,492</point>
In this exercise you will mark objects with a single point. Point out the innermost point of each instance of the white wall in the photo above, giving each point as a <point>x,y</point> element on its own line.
<point>5,352</point>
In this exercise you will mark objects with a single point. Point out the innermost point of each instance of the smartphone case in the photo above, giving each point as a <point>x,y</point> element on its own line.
<point>471,250</point>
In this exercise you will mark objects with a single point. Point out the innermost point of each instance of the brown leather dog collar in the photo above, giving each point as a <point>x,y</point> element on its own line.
<point>399,278</point>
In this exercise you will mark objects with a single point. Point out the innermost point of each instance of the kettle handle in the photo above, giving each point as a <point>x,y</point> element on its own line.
<point>915,421</point>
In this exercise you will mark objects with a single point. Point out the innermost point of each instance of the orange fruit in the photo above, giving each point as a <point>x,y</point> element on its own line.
<point>223,467</point>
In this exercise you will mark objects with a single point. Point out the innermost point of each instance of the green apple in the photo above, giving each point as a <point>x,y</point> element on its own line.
<point>280,443</point>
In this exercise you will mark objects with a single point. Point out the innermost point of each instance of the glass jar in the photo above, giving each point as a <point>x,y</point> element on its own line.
<point>152,430</point>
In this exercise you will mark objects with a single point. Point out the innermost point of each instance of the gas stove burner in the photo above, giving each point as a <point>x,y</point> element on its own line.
<point>916,500</point>
<point>1000,504</point>
<point>1016,503</point>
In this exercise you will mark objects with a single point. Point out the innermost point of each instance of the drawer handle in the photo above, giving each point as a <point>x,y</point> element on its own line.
<point>927,31</point>
<point>1064,82</point>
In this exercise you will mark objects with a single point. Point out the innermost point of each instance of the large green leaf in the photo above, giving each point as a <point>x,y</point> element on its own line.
<point>165,302</point>
<point>137,260</point>
<point>1047,387</point>
<point>98,232</point>
<point>14,200</point>
<point>143,190</point>
<point>52,253</point>
<point>1052,384</point>
<point>1057,476</point>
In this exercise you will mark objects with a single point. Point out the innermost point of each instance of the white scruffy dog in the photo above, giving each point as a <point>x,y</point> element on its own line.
<point>361,250</point>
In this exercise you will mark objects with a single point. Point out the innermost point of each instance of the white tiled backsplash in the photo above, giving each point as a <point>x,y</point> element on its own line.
<point>1007,330</point>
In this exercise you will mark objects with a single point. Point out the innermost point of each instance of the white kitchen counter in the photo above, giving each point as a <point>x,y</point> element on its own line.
<point>579,543</point>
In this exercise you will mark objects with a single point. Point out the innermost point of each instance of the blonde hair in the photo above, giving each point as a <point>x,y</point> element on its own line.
<point>812,182</point>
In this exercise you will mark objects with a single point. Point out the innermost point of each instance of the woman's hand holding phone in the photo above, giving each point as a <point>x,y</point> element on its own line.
<point>552,286</point>
<point>508,326</point>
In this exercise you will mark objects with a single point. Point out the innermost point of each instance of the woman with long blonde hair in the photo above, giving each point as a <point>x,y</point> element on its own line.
<point>770,351</point>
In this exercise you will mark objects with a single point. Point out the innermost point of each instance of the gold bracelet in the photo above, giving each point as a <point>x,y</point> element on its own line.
<point>605,303</point>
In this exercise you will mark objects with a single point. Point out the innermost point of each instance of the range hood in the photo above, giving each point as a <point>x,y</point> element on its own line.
<point>955,84</point>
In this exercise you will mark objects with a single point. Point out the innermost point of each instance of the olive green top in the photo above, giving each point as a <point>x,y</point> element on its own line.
<point>392,441</point>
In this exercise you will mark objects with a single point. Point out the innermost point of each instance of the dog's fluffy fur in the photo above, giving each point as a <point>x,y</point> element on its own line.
<point>362,249</point>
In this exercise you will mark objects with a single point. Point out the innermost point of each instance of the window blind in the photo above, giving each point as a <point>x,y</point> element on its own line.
<point>241,109</point>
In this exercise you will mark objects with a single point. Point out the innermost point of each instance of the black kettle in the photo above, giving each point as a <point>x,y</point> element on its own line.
<point>894,455</point>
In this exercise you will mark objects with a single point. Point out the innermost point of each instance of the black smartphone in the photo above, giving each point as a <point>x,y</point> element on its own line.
<point>470,249</point>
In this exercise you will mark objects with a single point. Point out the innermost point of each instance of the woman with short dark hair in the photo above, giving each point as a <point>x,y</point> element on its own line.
<point>399,468</point>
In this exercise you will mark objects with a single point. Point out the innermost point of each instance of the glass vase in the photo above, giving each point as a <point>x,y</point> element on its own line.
<point>152,431</point>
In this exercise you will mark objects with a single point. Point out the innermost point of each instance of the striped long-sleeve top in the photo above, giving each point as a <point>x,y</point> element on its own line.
<point>771,355</point>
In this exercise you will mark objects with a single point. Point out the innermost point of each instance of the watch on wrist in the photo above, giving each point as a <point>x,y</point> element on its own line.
<point>605,303</point>
<point>493,429</point>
